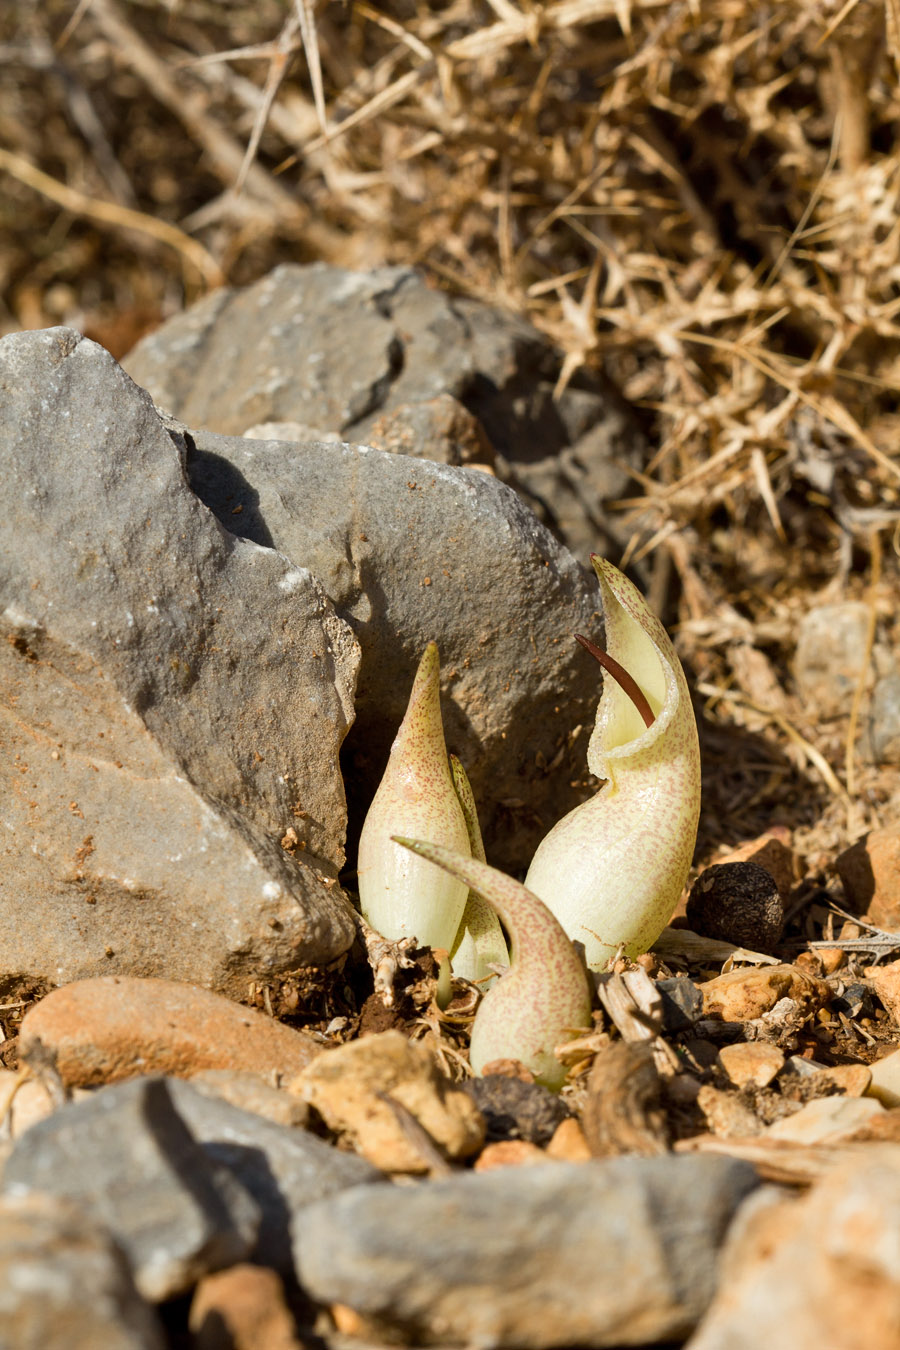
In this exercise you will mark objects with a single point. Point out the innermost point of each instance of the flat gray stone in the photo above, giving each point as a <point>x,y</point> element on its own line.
<point>173,698</point>
<point>197,367</point>
<point>128,1160</point>
<point>65,1285</point>
<point>411,551</point>
<point>283,1168</point>
<point>591,1254</point>
<point>343,351</point>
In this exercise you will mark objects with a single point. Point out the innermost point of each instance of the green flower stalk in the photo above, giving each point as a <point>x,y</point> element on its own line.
<point>480,943</point>
<point>612,870</point>
<point>544,999</point>
<point>400,894</point>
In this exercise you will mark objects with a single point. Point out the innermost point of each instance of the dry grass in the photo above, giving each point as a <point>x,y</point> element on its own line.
<point>700,198</point>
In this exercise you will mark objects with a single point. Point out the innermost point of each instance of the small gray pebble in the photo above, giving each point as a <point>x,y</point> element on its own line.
<point>682,1003</point>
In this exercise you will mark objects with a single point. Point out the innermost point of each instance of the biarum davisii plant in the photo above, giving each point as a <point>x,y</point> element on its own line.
<point>607,876</point>
<point>402,895</point>
<point>480,945</point>
<point>613,869</point>
<point>544,998</point>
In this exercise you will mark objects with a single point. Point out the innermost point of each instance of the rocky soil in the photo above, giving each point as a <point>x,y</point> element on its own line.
<point>230,1116</point>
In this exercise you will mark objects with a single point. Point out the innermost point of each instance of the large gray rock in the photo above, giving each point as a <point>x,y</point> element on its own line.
<point>284,1169</point>
<point>126,1157</point>
<point>590,1254</point>
<point>65,1285</point>
<point>173,698</point>
<point>411,551</point>
<point>375,356</point>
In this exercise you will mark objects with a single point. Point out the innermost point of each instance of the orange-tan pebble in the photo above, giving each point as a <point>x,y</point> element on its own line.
<point>243,1308</point>
<point>509,1153</point>
<point>116,1026</point>
<point>568,1143</point>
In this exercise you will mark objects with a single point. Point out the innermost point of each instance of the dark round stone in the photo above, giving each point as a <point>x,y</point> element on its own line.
<point>737,902</point>
<point>516,1110</point>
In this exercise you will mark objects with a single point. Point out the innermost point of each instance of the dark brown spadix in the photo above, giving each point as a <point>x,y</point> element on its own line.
<point>621,676</point>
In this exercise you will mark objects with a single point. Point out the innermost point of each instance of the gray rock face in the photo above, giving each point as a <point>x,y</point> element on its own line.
<point>284,1169</point>
<point>64,1285</point>
<point>325,347</point>
<point>127,1158</point>
<point>173,698</point>
<point>591,1254</point>
<point>411,551</point>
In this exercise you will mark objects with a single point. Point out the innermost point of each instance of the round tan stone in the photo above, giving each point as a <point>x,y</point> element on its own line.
<point>115,1027</point>
<point>244,1308</point>
<point>387,1097</point>
<point>755,1062</point>
<point>885,980</point>
<point>568,1143</point>
<point>742,995</point>
<point>870,874</point>
<point>509,1153</point>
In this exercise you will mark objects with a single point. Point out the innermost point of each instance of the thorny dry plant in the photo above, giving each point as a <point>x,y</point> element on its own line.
<point>699,198</point>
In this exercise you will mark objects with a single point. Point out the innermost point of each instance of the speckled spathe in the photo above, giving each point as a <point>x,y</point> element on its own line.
<point>401,895</point>
<point>543,999</point>
<point>612,870</point>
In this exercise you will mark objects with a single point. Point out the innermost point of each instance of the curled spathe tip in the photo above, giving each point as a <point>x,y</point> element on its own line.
<point>613,869</point>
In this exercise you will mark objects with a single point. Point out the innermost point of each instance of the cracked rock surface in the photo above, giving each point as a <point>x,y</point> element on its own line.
<point>380,357</point>
<point>172,697</point>
<point>411,551</point>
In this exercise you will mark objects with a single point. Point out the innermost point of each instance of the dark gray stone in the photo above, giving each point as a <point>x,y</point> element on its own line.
<point>516,1110</point>
<point>174,698</point>
<point>321,346</point>
<point>284,1169</point>
<point>682,1003</point>
<point>411,551</point>
<point>126,1157</point>
<point>592,1254</point>
<point>65,1285</point>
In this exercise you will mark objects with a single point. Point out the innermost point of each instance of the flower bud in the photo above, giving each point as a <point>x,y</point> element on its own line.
<point>402,895</point>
